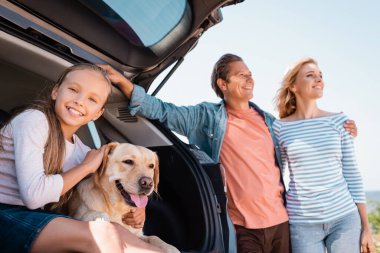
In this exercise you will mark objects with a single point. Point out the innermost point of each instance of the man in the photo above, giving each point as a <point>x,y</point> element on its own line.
<point>238,134</point>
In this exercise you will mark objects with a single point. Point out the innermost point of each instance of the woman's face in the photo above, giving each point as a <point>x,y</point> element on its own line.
<point>309,83</point>
<point>80,98</point>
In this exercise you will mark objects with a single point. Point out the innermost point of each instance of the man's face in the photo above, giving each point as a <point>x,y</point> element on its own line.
<point>239,83</point>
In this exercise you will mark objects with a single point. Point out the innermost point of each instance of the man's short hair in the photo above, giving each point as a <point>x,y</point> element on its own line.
<point>222,70</point>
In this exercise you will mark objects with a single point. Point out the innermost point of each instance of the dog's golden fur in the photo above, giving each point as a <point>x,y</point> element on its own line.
<point>97,197</point>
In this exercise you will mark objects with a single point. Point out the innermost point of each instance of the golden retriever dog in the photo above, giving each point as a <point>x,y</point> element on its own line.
<point>128,175</point>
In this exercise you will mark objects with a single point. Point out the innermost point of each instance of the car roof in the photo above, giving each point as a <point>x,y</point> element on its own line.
<point>113,31</point>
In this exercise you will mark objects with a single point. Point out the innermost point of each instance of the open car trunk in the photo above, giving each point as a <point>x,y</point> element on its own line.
<point>189,211</point>
<point>186,212</point>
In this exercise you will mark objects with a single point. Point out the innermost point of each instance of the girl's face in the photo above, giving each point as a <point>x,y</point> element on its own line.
<point>79,99</point>
<point>309,83</point>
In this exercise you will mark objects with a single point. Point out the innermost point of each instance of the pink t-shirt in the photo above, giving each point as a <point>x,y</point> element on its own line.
<point>253,180</point>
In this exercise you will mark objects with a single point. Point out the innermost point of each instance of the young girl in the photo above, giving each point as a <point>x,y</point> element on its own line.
<point>325,200</point>
<point>41,159</point>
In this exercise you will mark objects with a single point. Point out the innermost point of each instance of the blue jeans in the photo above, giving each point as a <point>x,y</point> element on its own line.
<point>19,227</point>
<point>338,236</point>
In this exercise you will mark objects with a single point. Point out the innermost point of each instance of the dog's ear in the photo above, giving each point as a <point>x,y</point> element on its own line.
<point>156,175</point>
<point>109,148</point>
<point>102,170</point>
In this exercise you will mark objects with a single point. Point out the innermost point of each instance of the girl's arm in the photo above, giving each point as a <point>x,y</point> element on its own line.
<point>29,134</point>
<point>135,218</point>
<point>36,188</point>
<point>89,165</point>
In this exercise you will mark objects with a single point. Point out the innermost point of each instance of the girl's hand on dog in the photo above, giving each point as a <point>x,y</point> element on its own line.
<point>135,218</point>
<point>94,158</point>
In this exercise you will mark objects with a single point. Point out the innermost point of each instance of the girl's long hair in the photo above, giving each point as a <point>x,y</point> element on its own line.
<point>285,99</point>
<point>55,146</point>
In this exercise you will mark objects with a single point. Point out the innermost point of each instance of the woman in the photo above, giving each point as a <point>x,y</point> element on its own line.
<point>325,200</point>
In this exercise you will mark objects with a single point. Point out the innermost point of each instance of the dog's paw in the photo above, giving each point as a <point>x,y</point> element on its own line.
<point>97,216</point>
<point>170,249</point>
<point>101,219</point>
<point>154,240</point>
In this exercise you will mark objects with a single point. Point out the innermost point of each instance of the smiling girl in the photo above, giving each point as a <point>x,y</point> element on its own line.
<point>41,160</point>
<point>325,200</point>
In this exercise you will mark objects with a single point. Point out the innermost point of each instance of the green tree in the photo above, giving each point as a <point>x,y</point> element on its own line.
<point>374,219</point>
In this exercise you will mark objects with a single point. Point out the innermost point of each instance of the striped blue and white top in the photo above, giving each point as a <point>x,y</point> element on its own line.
<point>325,182</point>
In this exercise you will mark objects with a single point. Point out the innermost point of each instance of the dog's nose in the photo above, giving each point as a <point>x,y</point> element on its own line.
<point>146,183</point>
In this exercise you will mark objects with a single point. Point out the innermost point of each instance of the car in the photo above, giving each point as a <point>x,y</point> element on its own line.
<point>143,40</point>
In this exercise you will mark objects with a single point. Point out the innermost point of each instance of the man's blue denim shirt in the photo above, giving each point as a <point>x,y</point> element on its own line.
<point>203,124</point>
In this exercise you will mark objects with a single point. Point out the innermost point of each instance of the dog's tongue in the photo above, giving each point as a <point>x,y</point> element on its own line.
<point>139,200</point>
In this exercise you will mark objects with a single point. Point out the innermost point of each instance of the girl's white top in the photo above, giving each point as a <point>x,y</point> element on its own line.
<point>22,176</point>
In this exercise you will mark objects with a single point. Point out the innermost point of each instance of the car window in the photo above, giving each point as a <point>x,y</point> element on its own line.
<point>144,23</point>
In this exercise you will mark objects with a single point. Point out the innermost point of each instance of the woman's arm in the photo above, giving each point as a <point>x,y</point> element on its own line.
<point>350,168</point>
<point>367,244</point>
<point>353,178</point>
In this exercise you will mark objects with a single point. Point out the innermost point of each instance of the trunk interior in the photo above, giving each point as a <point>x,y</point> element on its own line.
<point>185,213</point>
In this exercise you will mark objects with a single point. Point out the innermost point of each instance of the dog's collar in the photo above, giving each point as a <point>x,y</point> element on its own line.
<point>126,196</point>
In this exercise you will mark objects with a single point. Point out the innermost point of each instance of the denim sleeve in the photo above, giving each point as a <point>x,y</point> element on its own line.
<point>277,132</point>
<point>181,119</point>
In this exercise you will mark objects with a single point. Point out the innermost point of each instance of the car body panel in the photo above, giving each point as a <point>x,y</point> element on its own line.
<point>70,23</point>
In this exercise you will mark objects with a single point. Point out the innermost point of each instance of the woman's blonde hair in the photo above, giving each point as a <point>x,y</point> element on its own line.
<point>54,152</point>
<point>285,99</point>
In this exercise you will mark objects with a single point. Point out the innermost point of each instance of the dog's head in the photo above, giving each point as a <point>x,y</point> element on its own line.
<point>132,169</point>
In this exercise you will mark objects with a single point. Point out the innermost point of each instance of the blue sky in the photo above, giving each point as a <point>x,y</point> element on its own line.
<point>342,35</point>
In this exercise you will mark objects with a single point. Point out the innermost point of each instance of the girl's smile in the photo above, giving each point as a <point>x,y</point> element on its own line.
<point>80,99</point>
<point>74,112</point>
